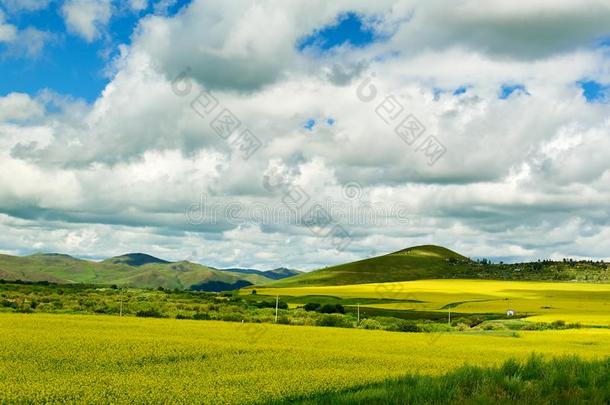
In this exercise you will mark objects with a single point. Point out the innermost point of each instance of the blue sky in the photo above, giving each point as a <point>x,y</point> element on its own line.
<point>595,92</point>
<point>348,29</point>
<point>69,64</point>
<point>507,89</point>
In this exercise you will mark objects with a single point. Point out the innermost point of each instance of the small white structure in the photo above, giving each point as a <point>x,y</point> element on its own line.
<point>510,312</point>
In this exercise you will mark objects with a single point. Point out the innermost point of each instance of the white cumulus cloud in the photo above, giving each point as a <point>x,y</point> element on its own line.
<point>87,18</point>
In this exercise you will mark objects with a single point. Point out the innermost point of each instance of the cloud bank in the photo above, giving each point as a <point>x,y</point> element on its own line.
<point>524,172</point>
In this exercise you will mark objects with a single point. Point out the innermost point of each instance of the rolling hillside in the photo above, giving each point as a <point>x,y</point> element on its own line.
<point>419,262</point>
<point>436,262</point>
<point>136,269</point>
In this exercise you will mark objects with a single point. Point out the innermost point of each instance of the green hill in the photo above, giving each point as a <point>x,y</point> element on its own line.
<point>414,263</point>
<point>135,259</point>
<point>135,270</point>
<point>436,262</point>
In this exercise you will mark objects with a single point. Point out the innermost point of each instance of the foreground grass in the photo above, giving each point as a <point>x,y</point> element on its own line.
<point>558,381</point>
<point>48,358</point>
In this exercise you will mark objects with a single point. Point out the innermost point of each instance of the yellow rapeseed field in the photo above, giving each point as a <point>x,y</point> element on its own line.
<point>586,303</point>
<point>93,359</point>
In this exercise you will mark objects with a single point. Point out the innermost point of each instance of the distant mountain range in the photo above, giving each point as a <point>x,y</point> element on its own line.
<point>133,269</point>
<point>414,263</point>
<point>275,274</point>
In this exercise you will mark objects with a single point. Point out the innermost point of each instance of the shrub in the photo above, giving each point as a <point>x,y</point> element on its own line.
<point>231,317</point>
<point>149,313</point>
<point>283,320</point>
<point>370,324</point>
<point>102,309</point>
<point>492,326</point>
<point>474,321</point>
<point>182,316</point>
<point>312,306</point>
<point>434,327</point>
<point>335,320</point>
<point>8,304</point>
<point>201,316</point>
<point>57,304</point>
<point>408,326</point>
<point>534,326</point>
<point>332,309</point>
<point>462,326</point>
<point>271,304</point>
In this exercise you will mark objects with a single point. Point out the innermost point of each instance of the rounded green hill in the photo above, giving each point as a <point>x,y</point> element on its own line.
<point>414,263</point>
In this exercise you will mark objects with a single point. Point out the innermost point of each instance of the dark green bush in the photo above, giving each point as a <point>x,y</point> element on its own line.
<point>271,304</point>
<point>332,309</point>
<point>408,326</point>
<point>232,317</point>
<point>149,313</point>
<point>311,306</point>
<point>8,304</point>
<point>201,316</point>
<point>283,320</point>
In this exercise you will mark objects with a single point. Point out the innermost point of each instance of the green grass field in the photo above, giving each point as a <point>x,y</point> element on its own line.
<point>75,358</point>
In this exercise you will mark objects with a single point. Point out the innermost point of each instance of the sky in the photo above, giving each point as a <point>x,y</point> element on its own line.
<point>307,133</point>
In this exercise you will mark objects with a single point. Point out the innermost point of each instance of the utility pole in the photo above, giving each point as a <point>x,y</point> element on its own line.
<point>121,310</point>
<point>449,316</point>
<point>277,303</point>
<point>358,304</point>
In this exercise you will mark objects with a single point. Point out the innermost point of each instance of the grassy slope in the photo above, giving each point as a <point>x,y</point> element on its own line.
<point>558,381</point>
<point>420,262</point>
<point>435,262</point>
<point>66,269</point>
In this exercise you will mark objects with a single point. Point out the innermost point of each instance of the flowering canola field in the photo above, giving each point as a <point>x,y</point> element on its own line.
<point>587,303</point>
<point>94,359</point>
